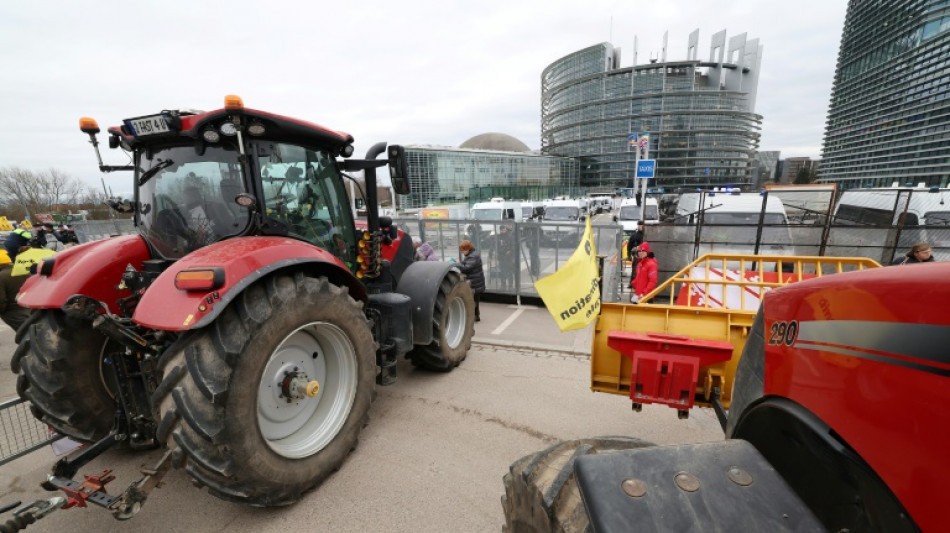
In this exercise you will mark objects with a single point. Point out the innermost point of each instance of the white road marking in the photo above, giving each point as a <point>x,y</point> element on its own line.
<point>504,325</point>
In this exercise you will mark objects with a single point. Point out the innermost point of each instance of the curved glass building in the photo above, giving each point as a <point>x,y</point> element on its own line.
<point>889,118</point>
<point>699,115</point>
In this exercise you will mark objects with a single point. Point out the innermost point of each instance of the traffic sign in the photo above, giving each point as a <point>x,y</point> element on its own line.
<point>646,168</point>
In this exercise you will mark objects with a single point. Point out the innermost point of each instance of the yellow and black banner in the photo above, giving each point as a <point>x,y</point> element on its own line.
<point>572,294</point>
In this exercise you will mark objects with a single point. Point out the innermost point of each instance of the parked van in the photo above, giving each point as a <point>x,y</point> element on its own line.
<point>494,212</point>
<point>731,219</point>
<point>886,206</point>
<point>562,219</point>
<point>922,212</point>
<point>531,211</point>
<point>630,213</point>
<point>729,208</point>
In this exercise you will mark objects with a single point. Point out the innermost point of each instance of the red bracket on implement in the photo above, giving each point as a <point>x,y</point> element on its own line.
<point>93,489</point>
<point>666,367</point>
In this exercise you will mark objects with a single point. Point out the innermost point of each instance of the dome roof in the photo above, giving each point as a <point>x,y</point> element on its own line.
<point>495,141</point>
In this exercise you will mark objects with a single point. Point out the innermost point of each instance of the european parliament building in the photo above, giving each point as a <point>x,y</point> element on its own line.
<point>699,113</point>
<point>889,118</point>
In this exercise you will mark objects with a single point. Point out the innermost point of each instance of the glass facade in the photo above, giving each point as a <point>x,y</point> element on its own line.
<point>442,175</point>
<point>889,118</point>
<point>699,114</point>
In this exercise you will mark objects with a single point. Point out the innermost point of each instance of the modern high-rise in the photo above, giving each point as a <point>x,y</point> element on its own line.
<point>889,118</point>
<point>700,114</point>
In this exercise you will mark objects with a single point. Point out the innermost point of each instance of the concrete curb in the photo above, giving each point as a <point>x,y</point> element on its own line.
<point>529,346</point>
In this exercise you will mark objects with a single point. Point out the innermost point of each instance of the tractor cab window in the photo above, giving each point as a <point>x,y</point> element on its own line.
<point>186,200</point>
<point>302,190</point>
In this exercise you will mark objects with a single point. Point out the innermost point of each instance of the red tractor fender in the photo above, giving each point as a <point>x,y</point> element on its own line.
<point>243,261</point>
<point>94,269</point>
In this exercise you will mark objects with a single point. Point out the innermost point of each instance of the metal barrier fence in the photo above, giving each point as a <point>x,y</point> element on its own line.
<point>516,254</point>
<point>20,432</point>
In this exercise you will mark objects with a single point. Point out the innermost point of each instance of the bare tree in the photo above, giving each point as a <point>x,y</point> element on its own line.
<point>27,192</point>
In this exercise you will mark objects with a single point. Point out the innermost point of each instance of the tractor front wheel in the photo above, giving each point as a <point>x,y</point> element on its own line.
<point>268,401</point>
<point>453,324</point>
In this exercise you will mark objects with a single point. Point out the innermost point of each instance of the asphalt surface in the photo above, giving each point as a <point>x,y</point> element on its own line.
<point>430,460</point>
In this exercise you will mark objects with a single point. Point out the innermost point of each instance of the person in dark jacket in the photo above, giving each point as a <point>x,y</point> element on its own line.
<point>918,253</point>
<point>471,266</point>
<point>17,239</point>
<point>41,241</point>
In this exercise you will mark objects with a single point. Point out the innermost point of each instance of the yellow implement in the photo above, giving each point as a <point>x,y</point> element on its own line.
<point>677,353</point>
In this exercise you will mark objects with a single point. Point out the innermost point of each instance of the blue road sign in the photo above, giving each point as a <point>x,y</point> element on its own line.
<point>646,168</point>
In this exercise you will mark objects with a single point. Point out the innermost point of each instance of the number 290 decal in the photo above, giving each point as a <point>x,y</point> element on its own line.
<point>783,333</point>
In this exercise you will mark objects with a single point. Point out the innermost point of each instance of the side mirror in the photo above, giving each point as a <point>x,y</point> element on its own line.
<point>398,169</point>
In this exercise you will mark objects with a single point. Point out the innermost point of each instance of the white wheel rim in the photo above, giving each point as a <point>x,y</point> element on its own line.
<point>455,322</point>
<point>301,427</point>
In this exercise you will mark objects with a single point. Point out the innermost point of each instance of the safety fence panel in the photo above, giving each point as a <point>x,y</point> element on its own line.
<point>20,432</point>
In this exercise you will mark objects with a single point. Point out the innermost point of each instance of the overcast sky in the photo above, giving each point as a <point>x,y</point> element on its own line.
<point>409,72</point>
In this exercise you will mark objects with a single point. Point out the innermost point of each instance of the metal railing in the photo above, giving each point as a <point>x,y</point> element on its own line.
<point>20,432</point>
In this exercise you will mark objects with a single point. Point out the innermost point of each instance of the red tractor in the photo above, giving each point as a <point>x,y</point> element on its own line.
<point>245,326</point>
<point>837,422</point>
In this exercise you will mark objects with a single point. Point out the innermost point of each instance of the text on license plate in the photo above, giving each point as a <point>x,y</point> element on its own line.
<point>149,125</point>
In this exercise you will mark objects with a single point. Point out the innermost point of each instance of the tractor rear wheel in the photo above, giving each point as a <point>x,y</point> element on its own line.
<point>453,325</point>
<point>269,399</point>
<point>541,494</point>
<point>63,376</point>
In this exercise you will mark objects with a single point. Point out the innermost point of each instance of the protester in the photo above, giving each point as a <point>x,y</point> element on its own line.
<point>10,311</point>
<point>506,246</point>
<point>647,273</point>
<point>17,239</point>
<point>423,250</point>
<point>633,241</point>
<point>28,258</point>
<point>66,235</point>
<point>471,266</point>
<point>41,240</point>
<point>918,253</point>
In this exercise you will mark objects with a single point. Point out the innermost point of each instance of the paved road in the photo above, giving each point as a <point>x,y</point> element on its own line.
<point>432,457</point>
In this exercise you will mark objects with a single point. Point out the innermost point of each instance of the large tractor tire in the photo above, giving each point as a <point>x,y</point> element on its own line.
<point>234,405</point>
<point>453,325</point>
<point>541,494</point>
<point>63,375</point>
<point>750,373</point>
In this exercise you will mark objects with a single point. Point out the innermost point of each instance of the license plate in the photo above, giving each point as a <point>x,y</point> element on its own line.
<point>152,125</point>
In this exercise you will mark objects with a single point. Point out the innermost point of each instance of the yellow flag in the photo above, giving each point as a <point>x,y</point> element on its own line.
<point>572,294</point>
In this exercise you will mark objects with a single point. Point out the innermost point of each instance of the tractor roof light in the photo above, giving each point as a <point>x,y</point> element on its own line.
<point>211,136</point>
<point>233,102</point>
<point>200,279</point>
<point>89,125</point>
<point>229,129</point>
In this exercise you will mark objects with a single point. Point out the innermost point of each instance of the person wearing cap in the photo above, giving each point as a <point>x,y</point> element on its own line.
<point>17,239</point>
<point>11,312</point>
<point>646,274</point>
<point>633,241</point>
<point>40,240</point>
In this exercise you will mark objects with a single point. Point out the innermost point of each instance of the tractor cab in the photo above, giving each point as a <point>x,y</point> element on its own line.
<point>203,177</point>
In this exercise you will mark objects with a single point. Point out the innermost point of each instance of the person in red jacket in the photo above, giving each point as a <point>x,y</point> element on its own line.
<point>647,273</point>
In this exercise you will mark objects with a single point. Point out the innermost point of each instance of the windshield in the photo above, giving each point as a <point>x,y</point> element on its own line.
<point>632,212</point>
<point>486,214</point>
<point>562,213</point>
<point>739,219</point>
<point>304,192</point>
<point>187,200</point>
